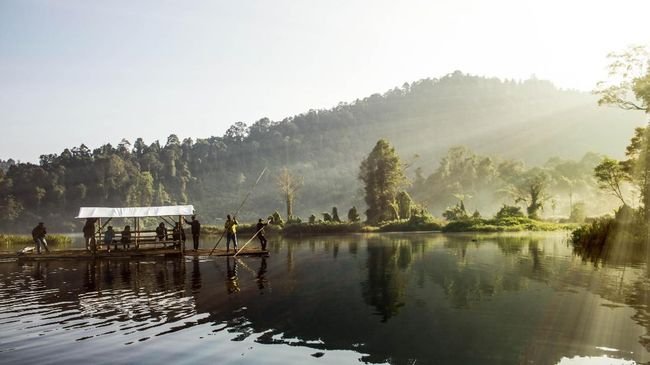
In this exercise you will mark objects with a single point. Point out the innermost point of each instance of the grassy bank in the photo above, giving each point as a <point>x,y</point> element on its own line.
<point>507,224</point>
<point>408,225</point>
<point>627,226</point>
<point>22,240</point>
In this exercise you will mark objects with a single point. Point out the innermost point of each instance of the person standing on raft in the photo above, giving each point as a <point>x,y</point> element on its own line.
<point>196,231</point>
<point>260,233</point>
<point>231,232</point>
<point>38,234</point>
<point>89,234</point>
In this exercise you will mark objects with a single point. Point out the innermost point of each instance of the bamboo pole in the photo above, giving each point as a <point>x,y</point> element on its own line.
<point>240,206</point>
<point>249,241</point>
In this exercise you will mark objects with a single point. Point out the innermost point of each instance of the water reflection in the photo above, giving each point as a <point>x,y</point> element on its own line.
<point>376,298</point>
<point>386,283</point>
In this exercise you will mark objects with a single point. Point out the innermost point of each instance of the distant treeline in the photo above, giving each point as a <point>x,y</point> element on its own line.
<point>325,147</point>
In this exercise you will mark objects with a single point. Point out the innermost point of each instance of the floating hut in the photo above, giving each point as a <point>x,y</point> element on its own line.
<point>170,214</point>
<point>143,242</point>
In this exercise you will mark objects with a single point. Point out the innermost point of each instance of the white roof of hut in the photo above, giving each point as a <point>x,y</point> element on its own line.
<point>132,212</point>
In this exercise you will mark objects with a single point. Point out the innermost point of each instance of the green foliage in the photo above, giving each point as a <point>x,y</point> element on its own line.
<point>507,224</point>
<point>276,219</point>
<point>294,220</point>
<point>53,240</point>
<point>628,226</point>
<point>208,229</point>
<point>335,215</point>
<point>507,211</point>
<point>327,218</point>
<point>611,175</point>
<point>247,230</point>
<point>629,89</point>
<point>325,146</point>
<point>530,187</point>
<point>312,219</point>
<point>414,223</point>
<point>578,213</point>
<point>353,215</point>
<point>404,204</point>
<point>382,175</point>
<point>456,213</point>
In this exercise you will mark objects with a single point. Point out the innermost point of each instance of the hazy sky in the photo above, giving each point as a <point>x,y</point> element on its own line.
<point>92,72</point>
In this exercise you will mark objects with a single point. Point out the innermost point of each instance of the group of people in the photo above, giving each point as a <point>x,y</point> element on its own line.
<point>178,234</point>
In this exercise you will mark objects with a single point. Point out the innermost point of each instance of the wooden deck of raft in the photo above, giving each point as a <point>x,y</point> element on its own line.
<point>125,254</point>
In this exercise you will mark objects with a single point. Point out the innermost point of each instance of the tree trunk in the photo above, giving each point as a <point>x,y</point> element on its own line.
<point>289,199</point>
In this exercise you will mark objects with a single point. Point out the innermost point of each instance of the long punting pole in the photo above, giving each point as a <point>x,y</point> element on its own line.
<point>240,206</point>
<point>249,241</point>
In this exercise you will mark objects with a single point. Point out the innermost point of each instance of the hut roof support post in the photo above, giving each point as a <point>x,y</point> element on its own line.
<point>98,240</point>
<point>137,233</point>
<point>181,243</point>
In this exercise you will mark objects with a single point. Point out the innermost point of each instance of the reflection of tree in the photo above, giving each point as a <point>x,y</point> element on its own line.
<point>386,284</point>
<point>624,277</point>
<point>508,245</point>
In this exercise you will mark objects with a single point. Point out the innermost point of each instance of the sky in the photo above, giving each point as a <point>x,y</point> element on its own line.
<point>93,72</point>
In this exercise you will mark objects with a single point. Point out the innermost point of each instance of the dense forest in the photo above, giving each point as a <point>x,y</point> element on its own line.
<point>506,125</point>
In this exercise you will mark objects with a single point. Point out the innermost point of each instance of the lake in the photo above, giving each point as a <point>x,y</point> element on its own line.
<point>417,298</point>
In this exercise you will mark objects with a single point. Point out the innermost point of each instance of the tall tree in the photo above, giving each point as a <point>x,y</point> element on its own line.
<point>382,175</point>
<point>629,88</point>
<point>289,185</point>
<point>611,176</point>
<point>530,188</point>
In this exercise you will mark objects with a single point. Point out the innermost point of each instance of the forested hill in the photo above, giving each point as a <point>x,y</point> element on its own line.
<point>530,120</point>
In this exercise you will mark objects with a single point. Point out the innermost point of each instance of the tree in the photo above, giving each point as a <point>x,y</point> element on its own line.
<point>629,84</point>
<point>507,211</point>
<point>382,175</point>
<point>629,89</point>
<point>335,215</point>
<point>610,175</point>
<point>405,204</point>
<point>353,215</point>
<point>456,213</point>
<point>289,184</point>
<point>531,189</point>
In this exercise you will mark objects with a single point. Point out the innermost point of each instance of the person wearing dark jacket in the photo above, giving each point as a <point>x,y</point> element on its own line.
<point>126,237</point>
<point>89,233</point>
<point>196,231</point>
<point>38,234</point>
<point>161,233</point>
<point>260,233</point>
<point>178,235</point>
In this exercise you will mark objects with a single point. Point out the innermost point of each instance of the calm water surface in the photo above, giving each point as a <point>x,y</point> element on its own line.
<point>389,298</point>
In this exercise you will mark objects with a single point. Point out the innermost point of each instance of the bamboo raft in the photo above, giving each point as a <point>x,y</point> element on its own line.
<point>138,239</point>
<point>82,254</point>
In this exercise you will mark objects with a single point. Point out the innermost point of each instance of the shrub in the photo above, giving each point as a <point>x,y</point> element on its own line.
<point>456,213</point>
<point>353,215</point>
<point>509,211</point>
